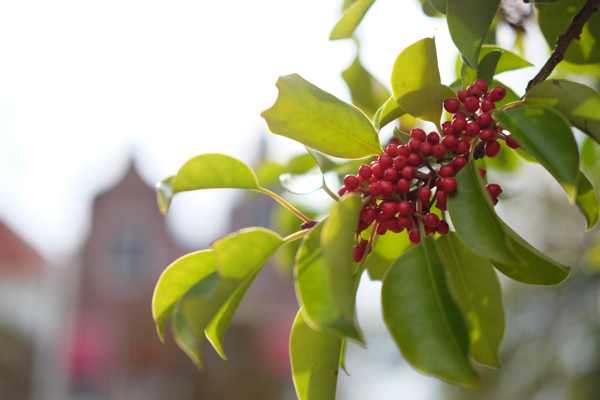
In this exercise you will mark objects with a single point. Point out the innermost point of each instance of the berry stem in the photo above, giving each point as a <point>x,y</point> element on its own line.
<point>295,236</point>
<point>329,192</point>
<point>287,205</point>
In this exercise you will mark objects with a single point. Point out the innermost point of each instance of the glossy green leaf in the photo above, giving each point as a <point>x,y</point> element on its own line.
<point>476,290</point>
<point>439,5</point>
<point>367,92</point>
<point>315,360</point>
<point>321,121</point>
<point>536,269</point>
<point>488,65</point>
<point>428,9</point>
<point>448,92</point>
<point>350,20</point>
<point>476,223</point>
<point>342,362</point>
<point>416,81</point>
<point>424,320</point>
<point>314,288</point>
<point>469,22</point>
<point>590,153</point>
<point>587,201</point>
<point>164,194</point>
<point>578,103</point>
<point>467,75</point>
<point>404,137</point>
<point>554,19</point>
<point>509,60</point>
<point>547,137</point>
<point>337,241</point>
<point>185,338</point>
<point>386,248</point>
<point>387,113</point>
<point>181,275</point>
<point>240,256</point>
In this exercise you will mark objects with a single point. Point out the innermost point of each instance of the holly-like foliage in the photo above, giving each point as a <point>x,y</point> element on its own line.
<point>416,213</point>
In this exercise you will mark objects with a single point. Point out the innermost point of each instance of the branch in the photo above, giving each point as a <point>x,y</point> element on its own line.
<point>563,42</point>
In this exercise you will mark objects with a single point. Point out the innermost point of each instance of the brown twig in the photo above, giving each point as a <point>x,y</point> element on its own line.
<point>563,42</point>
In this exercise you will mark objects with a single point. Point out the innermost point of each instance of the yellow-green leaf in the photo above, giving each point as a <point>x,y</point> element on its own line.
<point>350,20</point>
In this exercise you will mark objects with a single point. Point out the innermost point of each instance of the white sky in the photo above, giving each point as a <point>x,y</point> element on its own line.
<point>83,84</point>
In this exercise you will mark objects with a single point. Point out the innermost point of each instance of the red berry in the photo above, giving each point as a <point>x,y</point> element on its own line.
<point>458,163</point>
<point>385,161</point>
<point>482,173</point>
<point>391,174</point>
<point>365,171</point>
<point>375,189</point>
<point>473,91</point>
<point>377,170</point>
<point>426,149</point>
<point>494,202</point>
<point>459,124</point>
<point>404,208</point>
<point>472,129</point>
<point>441,206</point>
<point>351,182</point>
<point>403,185</point>
<point>481,84</point>
<point>373,179</point>
<point>449,142</point>
<point>359,252</point>
<point>389,208</point>
<point>439,150</point>
<point>449,184</point>
<point>381,230</point>
<point>492,148</point>
<point>343,190</point>
<point>494,189</point>
<point>403,151</point>
<point>409,173</point>
<point>418,133</point>
<point>415,159</point>
<point>424,194</point>
<point>382,219</point>
<point>462,147</point>
<point>460,115</point>
<point>414,144</point>
<point>432,220</point>
<point>443,228</point>
<point>400,162</point>
<point>487,135</point>
<point>391,150</point>
<point>446,170</point>
<point>387,188</point>
<point>497,94</point>
<point>368,215</point>
<point>472,104</point>
<point>512,143</point>
<point>429,230</point>
<point>445,124</point>
<point>441,196</point>
<point>484,120</point>
<point>451,105</point>
<point>487,105</point>
<point>415,237</point>
<point>462,95</point>
<point>406,222</point>
<point>449,130</point>
<point>433,137</point>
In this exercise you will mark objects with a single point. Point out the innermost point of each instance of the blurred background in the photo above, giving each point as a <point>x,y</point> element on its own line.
<point>98,101</point>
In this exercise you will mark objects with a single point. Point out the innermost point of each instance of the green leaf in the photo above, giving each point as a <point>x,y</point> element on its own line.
<point>488,65</point>
<point>416,81</point>
<point>387,113</point>
<point>536,269</point>
<point>476,223</point>
<point>268,172</point>
<point>439,5</point>
<point>315,360</point>
<point>468,23</point>
<point>587,201</point>
<point>547,137</point>
<point>240,256</point>
<point>509,60</point>
<point>350,20</point>
<point>181,275</point>
<point>404,137</point>
<point>467,75</point>
<point>590,153</point>
<point>185,338</point>
<point>342,362</point>
<point>366,91</point>
<point>554,20</point>
<point>578,103</point>
<point>386,248</point>
<point>337,241</point>
<point>164,194</point>
<point>315,118</point>
<point>448,92</point>
<point>314,288</point>
<point>476,290</point>
<point>423,319</point>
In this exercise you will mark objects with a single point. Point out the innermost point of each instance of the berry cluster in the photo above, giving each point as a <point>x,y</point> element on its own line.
<point>403,185</point>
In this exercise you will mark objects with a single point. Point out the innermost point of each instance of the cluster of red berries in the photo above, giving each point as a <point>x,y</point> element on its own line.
<point>404,184</point>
